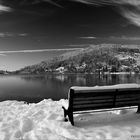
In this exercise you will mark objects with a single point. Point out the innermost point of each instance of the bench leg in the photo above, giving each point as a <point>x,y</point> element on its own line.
<point>138,110</point>
<point>70,115</point>
<point>65,114</point>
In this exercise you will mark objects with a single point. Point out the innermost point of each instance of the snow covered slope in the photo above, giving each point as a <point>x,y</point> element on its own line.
<point>44,121</point>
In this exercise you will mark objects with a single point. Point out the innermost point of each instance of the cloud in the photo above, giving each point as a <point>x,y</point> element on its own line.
<point>23,34</point>
<point>94,2</point>
<point>37,51</point>
<point>87,37</point>
<point>2,54</point>
<point>130,9</point>
<point>5,8</point>
<point>53,3</point>
<point>78,45</point>
<point>7,34</point>
<point>28,2</point>
<point>110,2</point>
<point>132,16</point>
<point>124,38</point>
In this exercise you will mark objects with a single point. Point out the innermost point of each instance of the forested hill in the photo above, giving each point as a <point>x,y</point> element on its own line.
<point>94,58</point>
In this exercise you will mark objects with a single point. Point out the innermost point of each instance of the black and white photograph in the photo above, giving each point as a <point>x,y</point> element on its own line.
<point>69,69</point>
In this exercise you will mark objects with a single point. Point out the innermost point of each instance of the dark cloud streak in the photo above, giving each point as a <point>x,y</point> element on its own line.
<point>130,9</point>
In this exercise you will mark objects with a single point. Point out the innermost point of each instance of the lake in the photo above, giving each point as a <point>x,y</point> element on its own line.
<point>34,88</point>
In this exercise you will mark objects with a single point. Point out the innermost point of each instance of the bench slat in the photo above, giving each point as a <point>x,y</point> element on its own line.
<point>126,105</point>
<point>95,94</point>
<point>134,92</point>
<point>128,96</point>
<point>94,90</point>
<point>92,107</point>
<point>92,101</point>
<point>104,101</point>
<point>129,89</point>
<point>125,99</point>
<point>93,98</point>
<point>104,98</point>
<point>92,94</point>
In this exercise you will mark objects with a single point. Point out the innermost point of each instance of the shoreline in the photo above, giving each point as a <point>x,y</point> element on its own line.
<point>54,73</point>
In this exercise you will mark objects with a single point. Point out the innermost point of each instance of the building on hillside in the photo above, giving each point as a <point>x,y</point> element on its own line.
<point>60,70</point>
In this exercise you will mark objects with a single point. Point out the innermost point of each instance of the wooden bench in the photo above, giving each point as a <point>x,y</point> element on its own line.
<point>102,98</point>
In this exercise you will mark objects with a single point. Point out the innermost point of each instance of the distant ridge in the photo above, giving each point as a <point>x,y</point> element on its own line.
<point>104,57</point>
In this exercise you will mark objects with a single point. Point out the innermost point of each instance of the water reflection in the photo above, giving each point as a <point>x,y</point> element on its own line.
<point>34,88</point>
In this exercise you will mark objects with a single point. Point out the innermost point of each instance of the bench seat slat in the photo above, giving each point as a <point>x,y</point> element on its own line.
<point>129,89</point>
<point>92,101</point>
<point>93,98</point>
<point>100,106</point>
<point>92,94</point>
<point>94,91</point>
<point>128,93</point>
<point>126,105</point>
<point>105,100</point>
<point>123,97</point>
<point>92,107</point>
<point>127,99</point>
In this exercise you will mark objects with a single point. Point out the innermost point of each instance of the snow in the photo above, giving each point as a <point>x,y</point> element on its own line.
<point>112,87</point>
<point>44,121</point>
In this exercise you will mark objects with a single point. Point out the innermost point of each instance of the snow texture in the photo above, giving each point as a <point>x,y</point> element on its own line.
<point>44,121</point>
<point>119,86</point>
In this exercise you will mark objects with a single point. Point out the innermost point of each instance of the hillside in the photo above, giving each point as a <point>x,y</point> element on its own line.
<point>94,58</point>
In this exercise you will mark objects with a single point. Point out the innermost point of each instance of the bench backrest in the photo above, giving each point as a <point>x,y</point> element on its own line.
<point>103,97</point>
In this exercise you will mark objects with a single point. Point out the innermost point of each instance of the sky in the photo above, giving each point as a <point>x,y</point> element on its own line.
<point>32,31</point>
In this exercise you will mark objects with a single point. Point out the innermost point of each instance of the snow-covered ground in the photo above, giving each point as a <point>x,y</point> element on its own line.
<point>44,121</point>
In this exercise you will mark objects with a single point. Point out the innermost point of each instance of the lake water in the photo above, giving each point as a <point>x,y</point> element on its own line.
<point>34,88</point>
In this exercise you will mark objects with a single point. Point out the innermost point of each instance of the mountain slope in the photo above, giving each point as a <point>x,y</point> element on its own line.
<point>104,57</point>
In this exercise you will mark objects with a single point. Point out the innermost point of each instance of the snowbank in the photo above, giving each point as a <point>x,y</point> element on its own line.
<point>44,121</point>
<point>113,87</point>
